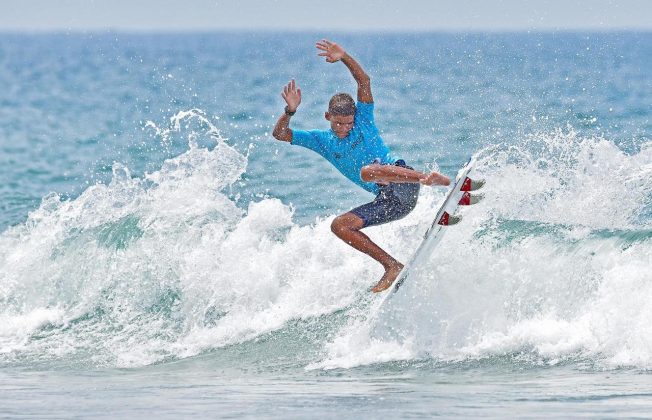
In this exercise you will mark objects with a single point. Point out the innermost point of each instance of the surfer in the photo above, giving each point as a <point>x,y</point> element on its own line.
<point>354,146</point>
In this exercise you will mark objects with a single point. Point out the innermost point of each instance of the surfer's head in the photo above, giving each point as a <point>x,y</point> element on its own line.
<point>341,114</point>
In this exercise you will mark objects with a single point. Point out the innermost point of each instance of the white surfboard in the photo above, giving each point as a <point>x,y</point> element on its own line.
<point>445,217</point>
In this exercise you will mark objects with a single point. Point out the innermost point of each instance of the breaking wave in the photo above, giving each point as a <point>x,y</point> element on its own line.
<point>553,266</point>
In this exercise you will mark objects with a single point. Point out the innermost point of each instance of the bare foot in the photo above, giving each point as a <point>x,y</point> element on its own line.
<point>388,278</point>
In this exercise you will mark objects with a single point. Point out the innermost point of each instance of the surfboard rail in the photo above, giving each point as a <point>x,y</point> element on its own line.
<point>457,195</point>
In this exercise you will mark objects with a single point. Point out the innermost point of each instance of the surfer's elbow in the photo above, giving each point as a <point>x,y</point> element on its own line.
<point>367,173</point>
<point>282,134</point>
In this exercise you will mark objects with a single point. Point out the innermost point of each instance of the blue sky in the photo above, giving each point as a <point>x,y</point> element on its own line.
<point>345,15</point>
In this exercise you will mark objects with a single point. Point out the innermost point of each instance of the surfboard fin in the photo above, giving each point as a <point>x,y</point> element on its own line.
<point>472,184</point>
<point>448,220</point>
<point>468,199</point>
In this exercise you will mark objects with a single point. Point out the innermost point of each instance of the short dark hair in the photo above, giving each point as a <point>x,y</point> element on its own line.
<point>341,104</point>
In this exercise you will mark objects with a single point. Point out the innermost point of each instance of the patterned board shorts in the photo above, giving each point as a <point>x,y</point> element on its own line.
<point>393,202</point>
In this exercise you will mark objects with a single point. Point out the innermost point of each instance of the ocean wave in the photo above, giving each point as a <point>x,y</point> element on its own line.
<point>553,264</point>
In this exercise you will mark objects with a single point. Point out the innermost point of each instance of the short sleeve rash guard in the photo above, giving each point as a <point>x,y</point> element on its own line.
<point>361,147</point>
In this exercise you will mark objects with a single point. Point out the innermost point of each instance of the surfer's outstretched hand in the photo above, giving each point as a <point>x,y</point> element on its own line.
<point>435,178</point>
<point>330,50</point>
<point>292,95</point>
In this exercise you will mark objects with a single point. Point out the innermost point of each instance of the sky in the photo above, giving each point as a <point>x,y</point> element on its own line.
<point>339,15</point>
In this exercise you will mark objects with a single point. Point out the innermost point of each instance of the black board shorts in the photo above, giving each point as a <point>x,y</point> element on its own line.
<point>393,202</point>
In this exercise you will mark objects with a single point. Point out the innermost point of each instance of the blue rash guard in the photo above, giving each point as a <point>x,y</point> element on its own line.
<point>361,147</point>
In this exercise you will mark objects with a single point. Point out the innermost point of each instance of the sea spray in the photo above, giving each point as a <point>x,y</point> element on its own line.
<point>142,270</point>
<point>167,265</point>
<point>554,265</point>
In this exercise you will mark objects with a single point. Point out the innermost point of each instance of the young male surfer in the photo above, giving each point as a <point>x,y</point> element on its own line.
<point>354,146</point>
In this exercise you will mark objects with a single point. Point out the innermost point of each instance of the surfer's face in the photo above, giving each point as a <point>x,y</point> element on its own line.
<point>340,124</point>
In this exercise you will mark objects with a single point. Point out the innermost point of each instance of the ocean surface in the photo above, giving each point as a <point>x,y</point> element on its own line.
<point>162,255</point>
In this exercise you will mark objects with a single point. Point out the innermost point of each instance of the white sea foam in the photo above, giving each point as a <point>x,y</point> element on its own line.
<point>166,266</point>
<point>539,269</point>
<point>141,270</point>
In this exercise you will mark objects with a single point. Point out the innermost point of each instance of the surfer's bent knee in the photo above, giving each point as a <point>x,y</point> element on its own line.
<point>346,222</point>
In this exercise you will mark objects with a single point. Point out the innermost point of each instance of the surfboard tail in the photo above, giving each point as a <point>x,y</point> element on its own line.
<point>448,219</point>
<point>469,199</point>
<point>472,184</point>
<point>458,195</point>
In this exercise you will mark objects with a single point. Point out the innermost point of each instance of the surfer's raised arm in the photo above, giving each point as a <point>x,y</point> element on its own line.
<point>335,53</point>
<point>371,166</point>
<point>292,96</point>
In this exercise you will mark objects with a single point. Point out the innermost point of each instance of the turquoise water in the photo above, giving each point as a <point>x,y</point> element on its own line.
<point>161,253</point>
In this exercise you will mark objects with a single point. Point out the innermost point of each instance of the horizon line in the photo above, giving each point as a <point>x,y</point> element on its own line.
<point>178,31</point>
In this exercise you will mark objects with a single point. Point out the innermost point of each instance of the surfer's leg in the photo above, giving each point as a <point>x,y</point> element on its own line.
<point>394,201</point>
<point>347,227</point>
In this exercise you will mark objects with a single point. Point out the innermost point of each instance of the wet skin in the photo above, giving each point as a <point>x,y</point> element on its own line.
<point>340,124</point>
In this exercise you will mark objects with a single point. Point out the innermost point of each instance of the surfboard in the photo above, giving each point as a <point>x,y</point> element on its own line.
<point>459,195</point>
